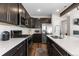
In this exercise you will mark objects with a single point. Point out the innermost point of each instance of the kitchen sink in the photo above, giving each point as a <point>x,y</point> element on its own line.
<point>56,37</point>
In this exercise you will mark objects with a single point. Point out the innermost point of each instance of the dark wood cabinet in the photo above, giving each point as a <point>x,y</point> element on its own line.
<point>22,15</point>
<point>26,47</point>
<point>37,38</point>
<point>27,18</point>
<point>22,10</point>
<point>16,14</point>
<point>31,22</point>
<point>36,22</point>
<point>19,50</point>
<point>3,12</point>
<point>55,50</point>
<point>45,20</point>
<point>29,45</point>
<point>12,13</point>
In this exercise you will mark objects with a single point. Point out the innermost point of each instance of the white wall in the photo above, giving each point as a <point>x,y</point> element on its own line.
<point>56,24</point>
<point>47,27</point>
<point>72,15</point>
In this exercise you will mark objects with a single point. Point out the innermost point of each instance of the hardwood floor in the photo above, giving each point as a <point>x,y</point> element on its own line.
<point>39,49</point>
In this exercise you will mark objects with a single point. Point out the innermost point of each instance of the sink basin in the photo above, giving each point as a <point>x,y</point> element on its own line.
<point>56,37</point>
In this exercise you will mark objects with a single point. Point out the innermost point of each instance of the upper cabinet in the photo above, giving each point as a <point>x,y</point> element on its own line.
<point>36,22</point>
<point>27,19</point>
<point>45,20</point>
<point>12,13</point>
<point>3,12</point>
<point>21,10</point>
<point>16,14</point>
<point>23,16</point>
<point>9,13</point>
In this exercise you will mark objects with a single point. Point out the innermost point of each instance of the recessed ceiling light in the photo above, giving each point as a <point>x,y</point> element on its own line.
<point>38,10</point>
<point>15,9</point>
<point>20,10</point>
<point>57,10</point>
<point>68,13</point>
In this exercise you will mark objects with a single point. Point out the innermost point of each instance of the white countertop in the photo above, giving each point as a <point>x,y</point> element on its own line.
<point>5,46</point>
<point>69,44</point>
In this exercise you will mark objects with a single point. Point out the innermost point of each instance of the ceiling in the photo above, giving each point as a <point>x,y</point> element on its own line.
<point>46,9</point>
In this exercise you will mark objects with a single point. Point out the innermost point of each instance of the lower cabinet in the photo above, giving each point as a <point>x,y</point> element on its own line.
<point>19,50</point>
<point>29,45</point>
<point>55,50</point>
<point>22,49</point>
<point>37,38</point>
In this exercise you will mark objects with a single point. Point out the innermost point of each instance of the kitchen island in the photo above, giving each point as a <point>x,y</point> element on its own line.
<point>68,44</point>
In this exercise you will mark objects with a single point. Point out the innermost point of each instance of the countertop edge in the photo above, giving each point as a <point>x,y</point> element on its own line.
<point>60,45</point>
<point>15,45</point>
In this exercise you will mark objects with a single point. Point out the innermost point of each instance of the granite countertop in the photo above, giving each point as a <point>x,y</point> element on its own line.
<point>5,46</point>
<point>69,44</point>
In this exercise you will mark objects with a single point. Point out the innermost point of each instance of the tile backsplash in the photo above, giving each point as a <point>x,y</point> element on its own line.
<point>9,27</point>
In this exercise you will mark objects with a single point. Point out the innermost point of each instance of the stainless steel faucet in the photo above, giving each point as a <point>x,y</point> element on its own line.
<point>61,35</point>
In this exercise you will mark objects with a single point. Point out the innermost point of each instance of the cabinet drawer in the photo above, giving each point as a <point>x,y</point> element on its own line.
<point>20,51</point>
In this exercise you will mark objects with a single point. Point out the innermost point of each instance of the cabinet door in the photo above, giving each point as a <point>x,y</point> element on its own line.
<point>29,45</point>
<point>56,52</point>
<point>22,10</point>
<point>21,15</point>
<point>52,50</point>
<point>37,23</point>
<point>37,38</point>
<point>20,51</point>
<point>29,22</point>
<point>27,17</point>
<point>45,20</point>
<point>26,47</point>
<point>3,12</point>
<point>13,13</point>
<point>32,23</point>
